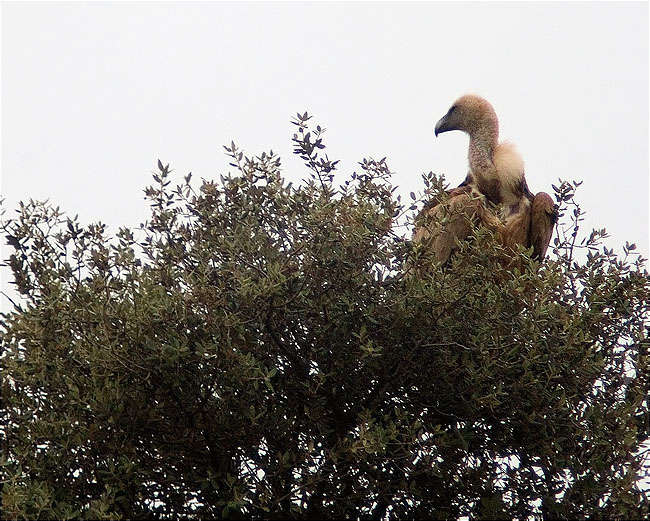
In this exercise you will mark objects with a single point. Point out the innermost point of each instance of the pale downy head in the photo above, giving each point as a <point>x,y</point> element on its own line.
<point>469,113</point>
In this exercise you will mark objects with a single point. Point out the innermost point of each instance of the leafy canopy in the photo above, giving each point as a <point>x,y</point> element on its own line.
<point>264,350</point>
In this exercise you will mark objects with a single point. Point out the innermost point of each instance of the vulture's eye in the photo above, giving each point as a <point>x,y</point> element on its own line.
<point>452,109</point>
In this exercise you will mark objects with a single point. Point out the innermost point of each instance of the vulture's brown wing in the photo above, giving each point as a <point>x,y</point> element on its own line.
<point>439,226</point>
<point>542,220</point>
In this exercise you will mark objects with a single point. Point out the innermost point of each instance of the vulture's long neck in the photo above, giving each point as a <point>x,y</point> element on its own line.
<point>483,140</point>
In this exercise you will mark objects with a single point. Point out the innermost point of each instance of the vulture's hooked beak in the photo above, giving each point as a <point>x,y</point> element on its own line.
<point>441,126</point>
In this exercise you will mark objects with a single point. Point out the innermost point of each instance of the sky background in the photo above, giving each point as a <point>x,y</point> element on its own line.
<point>93,94</point>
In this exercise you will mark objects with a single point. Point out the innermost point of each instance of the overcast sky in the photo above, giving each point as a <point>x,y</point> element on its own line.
<point>93,94</point>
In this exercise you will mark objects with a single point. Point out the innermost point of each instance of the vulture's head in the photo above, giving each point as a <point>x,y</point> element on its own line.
<point>469,113</point>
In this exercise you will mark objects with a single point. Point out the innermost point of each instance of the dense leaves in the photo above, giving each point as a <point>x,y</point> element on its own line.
<point>263,350</point>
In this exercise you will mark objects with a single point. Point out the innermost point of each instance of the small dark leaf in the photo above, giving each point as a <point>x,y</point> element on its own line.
<point>12,241</point>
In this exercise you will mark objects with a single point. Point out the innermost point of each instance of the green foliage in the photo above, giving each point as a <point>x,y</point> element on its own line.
<point>261,350</point>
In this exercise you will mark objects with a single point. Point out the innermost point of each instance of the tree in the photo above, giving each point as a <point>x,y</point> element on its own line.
<point>263,350</point>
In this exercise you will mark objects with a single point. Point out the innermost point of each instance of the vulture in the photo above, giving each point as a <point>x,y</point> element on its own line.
<point>494,192</point>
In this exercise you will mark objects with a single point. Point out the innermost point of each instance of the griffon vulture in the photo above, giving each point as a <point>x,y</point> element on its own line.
<point>495,186</point>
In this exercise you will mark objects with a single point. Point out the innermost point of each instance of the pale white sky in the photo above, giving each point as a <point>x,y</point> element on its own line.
<point>93,94</point>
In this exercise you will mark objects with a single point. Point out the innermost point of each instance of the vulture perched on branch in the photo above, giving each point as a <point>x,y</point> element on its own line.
<point>494,192</point>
